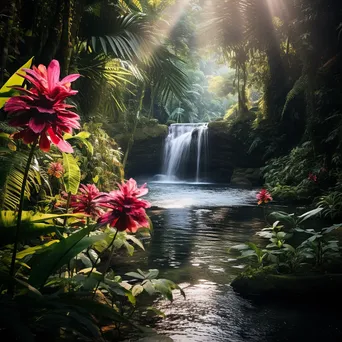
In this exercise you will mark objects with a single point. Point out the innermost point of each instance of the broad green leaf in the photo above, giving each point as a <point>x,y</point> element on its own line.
<point>289,247</point>
<point>309,214</point>
<point>283,217</point>
<point>82,138</point>
<point>47,263</point>
<point>135,240</point>
<point>148,287</point>
<point>36,249</point>
<point>72,174</point>
<point>152,274</point>
<point>14,80</point>
<point>135,275</point>
<point>129,247</point>
<point>137,289</point>
<point>32,225</point>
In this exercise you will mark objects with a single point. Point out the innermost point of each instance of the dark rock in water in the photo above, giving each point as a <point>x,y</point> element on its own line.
<point>246,176</point>
<point>304,287</point>
<point>242,182</point>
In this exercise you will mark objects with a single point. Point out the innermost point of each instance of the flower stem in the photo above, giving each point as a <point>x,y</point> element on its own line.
<point>20,213</point>
<point>67,209</point>
<point>108,261</point>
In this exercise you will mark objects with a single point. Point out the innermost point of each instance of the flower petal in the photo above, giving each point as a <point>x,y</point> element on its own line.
<point>64,146</point>
<point>53,74</point>
<point>37,124</point>
<point>69,79</point>
<point>44,142</point>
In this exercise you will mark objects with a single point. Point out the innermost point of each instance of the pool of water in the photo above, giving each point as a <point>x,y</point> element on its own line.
<point>194,227</point>
<point>185,195</point>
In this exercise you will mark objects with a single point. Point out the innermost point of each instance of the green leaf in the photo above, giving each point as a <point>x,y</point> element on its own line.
<point>135,240</point>
<point>283,217</point>
<point>81,137</point>
<point>129,247</point>
<point>36,249</point>
<point>14,80</point>
<point>148,287</point>
<point>47,263</point>
<point>152,274</point>
<point>137,289</point>
<point>309,214</point>
<point>135,275</point>
<point>33,225</point>
<point>72,174</point>
<point>289,247</point>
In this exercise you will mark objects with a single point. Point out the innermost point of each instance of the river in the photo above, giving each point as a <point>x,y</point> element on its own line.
<point>194,227</point>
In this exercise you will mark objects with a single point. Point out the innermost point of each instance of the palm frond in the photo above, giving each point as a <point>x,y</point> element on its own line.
<point>101,71</point>
<point>166,75</point>
<point>12,175</point>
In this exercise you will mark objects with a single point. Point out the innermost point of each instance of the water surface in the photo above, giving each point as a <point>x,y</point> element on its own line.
<point>192,235</point>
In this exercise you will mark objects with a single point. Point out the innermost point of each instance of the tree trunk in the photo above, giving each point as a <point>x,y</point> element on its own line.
<point>54,36</point>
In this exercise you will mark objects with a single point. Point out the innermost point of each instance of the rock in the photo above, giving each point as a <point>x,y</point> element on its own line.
<point>146,155</point>
<point>288,286</point>
<point>241,182</point>
<point>250,176</point>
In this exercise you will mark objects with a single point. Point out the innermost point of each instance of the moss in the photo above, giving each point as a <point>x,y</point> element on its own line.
<point>149,132</point>
<point>219,126</point>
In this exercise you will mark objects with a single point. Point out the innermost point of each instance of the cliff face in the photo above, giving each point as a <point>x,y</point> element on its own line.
<point>145,157</point>
<point>229,149</point>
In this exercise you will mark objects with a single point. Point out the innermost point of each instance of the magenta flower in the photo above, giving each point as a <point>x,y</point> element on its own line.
<point>263,196</point>
<point>55,169</point>
<point>126,209</point>
<point>83,202</point>
<point>42,111</point>
<point>312,177</point>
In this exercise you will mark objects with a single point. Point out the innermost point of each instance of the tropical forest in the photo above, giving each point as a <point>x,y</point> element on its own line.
<point>170,170</point>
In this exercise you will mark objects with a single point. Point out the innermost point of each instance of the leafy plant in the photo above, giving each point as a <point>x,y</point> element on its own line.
<point>331,204</point>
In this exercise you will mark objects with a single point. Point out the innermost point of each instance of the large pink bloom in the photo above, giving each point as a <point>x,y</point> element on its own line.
<point>83,202</point>
<point>42,111</point>
<point>263,196</point>
<point>126,209</point>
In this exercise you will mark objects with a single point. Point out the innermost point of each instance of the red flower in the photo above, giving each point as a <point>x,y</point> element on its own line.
<point>42,111</point>
<point>127,210</point>
<point>55,169</point>
<point>312,177</point>
<point>263,196</point>
<point>83,202</point>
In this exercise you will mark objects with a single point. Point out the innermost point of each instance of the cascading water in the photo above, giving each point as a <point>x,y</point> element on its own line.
<point>178,146</point>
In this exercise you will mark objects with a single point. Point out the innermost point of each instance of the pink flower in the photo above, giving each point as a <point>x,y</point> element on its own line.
<point>83,202</point>
<point>126,209</point>
<point>263,196</point>
<point>42,111</point>
<point>312,177</point>
<point>55,169</point>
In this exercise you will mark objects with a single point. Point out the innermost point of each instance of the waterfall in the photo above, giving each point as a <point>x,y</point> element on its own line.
<point>179,150</point>
<point>202,140</point>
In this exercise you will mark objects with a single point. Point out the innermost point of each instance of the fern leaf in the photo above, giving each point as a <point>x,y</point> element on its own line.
<point>297,89</point>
